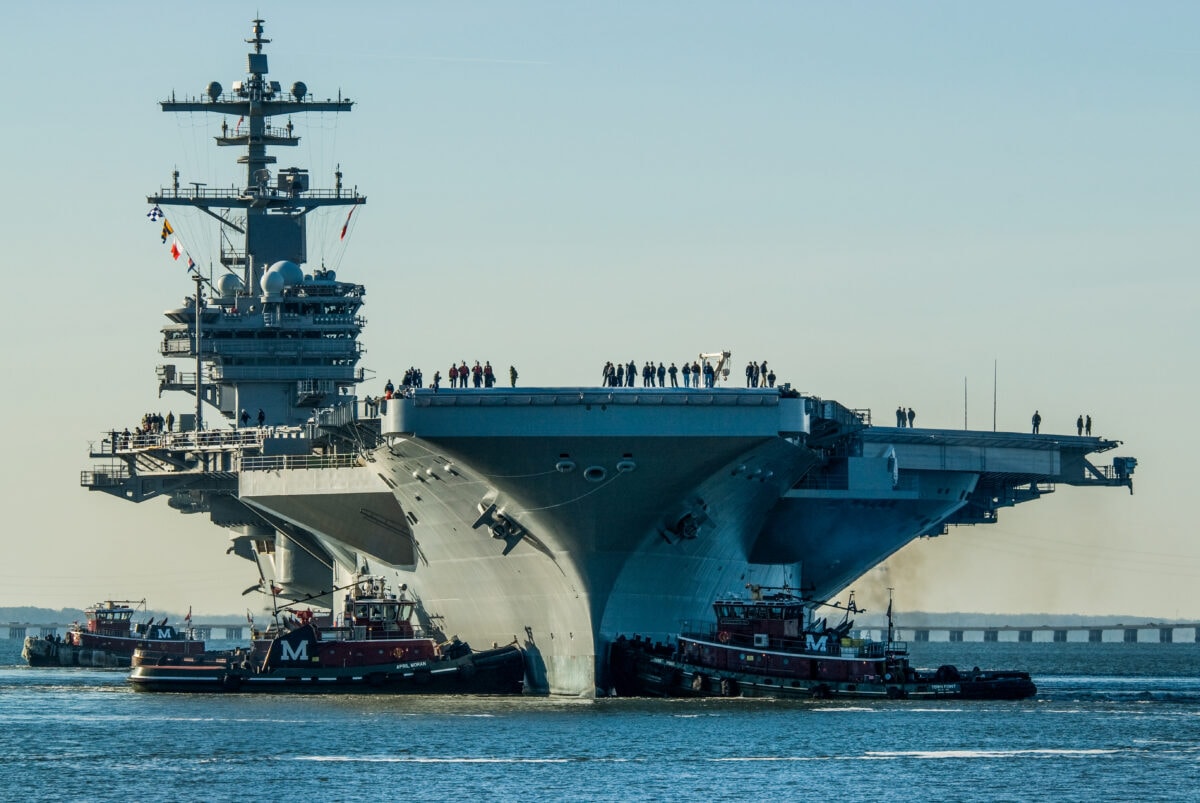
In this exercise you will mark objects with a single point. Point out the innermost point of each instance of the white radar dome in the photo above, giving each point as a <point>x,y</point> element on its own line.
<point>272,283</point>
<point>290,271</point>
<point>228,285</point>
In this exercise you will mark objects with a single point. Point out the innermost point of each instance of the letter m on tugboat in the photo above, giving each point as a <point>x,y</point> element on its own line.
<point>293,652</point>
<point>298,646</point>
<point>816,643</point>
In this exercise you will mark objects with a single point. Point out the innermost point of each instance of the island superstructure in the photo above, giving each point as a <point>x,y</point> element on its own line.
<point>558,516</point>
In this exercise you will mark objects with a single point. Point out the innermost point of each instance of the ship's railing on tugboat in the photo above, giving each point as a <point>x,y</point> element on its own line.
<point>822,644</point>
<point>881,649</point>
<point>359,633</point>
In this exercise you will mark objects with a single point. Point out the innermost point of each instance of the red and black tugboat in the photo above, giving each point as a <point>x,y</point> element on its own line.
<point>374,647</point>
<point>772,645</point>
<point>109,638</point>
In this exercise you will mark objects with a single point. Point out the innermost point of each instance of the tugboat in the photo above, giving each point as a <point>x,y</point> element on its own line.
<point>772,645</point>
<point>109,639</point>
<point>374,648</point>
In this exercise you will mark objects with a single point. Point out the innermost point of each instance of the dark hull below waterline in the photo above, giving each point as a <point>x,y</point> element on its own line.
<point>40,652</point>
<point>637,672</point>
<point>498,671</point>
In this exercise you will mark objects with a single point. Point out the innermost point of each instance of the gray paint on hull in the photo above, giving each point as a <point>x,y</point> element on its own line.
<point>364,522</point>
<point>604,561</point>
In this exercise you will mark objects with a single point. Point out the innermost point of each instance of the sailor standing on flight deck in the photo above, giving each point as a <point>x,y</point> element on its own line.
<point>912,416</point>
<point>1079,425</point>
<point>1037,421</point>
<point>899,416</point>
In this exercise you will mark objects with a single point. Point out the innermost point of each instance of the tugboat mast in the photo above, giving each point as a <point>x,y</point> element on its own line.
<point>889,616</point>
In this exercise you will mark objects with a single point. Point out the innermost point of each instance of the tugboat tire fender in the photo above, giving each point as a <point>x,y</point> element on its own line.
<point>947,672</point>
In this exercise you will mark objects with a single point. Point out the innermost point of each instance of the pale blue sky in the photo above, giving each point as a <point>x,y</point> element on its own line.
<point>881,199</point>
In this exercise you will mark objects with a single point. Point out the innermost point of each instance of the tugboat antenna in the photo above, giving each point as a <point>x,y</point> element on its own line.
<point>889,616</point>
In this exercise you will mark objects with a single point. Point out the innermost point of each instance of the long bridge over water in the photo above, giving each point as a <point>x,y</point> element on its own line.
<point>1160,632</point>
<point>1134,633</point>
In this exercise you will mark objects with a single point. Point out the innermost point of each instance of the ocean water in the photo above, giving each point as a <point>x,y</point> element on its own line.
<point>1111,721</point>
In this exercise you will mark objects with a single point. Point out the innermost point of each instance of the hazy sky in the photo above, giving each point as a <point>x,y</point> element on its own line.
<point>884,200</point>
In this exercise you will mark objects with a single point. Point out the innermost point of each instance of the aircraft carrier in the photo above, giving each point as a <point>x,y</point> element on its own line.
<point>556,517</point>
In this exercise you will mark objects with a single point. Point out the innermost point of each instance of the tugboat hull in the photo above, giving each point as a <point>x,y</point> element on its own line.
<point>497,671</point>
<point>639,669</point>
<point>41,652</point>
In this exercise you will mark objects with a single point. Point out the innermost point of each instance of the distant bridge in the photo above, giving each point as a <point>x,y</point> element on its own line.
<point>1163,633</point>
